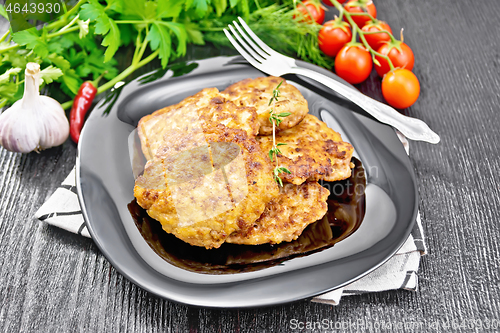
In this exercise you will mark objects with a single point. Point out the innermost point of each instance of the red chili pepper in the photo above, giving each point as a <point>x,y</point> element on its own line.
<point>81,104</point>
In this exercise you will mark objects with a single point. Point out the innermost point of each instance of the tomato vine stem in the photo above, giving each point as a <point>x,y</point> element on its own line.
<point>357,31</point>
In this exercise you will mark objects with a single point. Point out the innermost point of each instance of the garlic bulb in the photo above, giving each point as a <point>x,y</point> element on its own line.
<point>35,122</point>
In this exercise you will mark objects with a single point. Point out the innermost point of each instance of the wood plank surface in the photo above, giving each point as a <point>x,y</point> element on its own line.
<point>55,281</point>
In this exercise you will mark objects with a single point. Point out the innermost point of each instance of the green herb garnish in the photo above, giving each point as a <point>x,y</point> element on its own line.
<point>276,119</point>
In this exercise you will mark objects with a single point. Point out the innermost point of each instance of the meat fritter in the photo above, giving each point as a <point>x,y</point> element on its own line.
<point>313,151</point>
<point>287,216</point>
<point>202,110</point>
<point>206,192</point>
<point>257,93</point>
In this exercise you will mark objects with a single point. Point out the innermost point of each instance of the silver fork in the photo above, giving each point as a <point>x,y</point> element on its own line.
<point>261,56</point>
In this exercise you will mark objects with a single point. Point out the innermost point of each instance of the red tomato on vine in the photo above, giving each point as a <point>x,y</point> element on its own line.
<point>353,63</point>
<point>376,40</point>
<point>400,54</point>
<point>400,88</point>
<point>312,11</point>
<point>333,36</point>
<point>361,6</point>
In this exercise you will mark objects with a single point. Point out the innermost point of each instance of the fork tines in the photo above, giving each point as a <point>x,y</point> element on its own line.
<point>251,47</point>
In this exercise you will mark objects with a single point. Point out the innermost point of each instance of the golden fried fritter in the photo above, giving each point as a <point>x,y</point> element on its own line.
<point>208,179</point>
<point>202,110</point>
<point>257,93</point>
<point>313,151</point>
<point>206,192</point>
<point>287,216</point>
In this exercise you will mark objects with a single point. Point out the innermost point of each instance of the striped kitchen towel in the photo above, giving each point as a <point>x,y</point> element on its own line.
<point>63,210</point>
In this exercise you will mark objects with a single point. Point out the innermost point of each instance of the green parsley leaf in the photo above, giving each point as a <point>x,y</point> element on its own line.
<point>49,74</point>
<point>59,62</point>
<point>220,6</point>
<point>233,3</point>
<point>244,8</point>
<point>91,11</point>
<point>150,10</point>
<point>168,9</point>
<point>83,71</point>
<point>104,26</point>
<point>112,40</point>
<point>116,5</point>
<point>31,40</point>
<point>71,82</point>
<point>194,35</point>
<point>17,58</point>
<point>54,47</point>
<point>5,77</point>
<point>27,37</point>
<point>201,7</point>
<point>8,91</point>
<point>92,63</point>
<point>41,50</point>
<point>134,8</point>
<point>181,35</point>
<point>159,36</point>
<point>188,4</point>
<point>69,41</point>
<point>66,41</point>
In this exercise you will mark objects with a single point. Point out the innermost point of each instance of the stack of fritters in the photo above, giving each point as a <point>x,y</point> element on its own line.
<point>208,179</point>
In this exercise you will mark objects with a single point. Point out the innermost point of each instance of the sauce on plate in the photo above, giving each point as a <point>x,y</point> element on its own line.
<point>346,209</point>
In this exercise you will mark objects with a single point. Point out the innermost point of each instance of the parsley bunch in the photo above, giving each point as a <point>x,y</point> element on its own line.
<point>82,43</point>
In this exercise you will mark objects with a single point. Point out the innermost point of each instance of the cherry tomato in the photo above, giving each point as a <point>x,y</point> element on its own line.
<point>353,63</point>
<point>376,40</point>
<point>400,88</point>
<point>333,36</point>
<point>361,6</point>
<point>311,9</point>
<point>404,59</point>
<point>329,3</point>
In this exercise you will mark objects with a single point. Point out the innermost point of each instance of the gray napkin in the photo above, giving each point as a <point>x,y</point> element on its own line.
<point>63,210</point>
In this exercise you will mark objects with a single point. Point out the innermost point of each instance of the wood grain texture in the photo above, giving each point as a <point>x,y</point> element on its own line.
<point>54,281</point>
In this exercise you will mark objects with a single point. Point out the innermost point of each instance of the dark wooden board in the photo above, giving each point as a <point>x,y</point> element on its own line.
<point>52,280</point>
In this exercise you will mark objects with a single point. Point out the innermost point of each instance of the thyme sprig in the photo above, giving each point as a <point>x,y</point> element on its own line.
<point>276,119</point>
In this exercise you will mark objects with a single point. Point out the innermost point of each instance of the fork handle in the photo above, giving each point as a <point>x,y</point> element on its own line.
<point>412,128</point>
